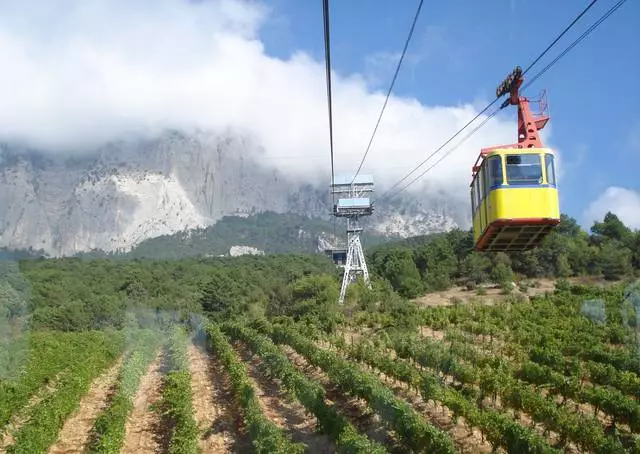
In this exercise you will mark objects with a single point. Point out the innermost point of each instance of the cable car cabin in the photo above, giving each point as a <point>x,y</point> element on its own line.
<point>514,199</point>
<point>338,256</point>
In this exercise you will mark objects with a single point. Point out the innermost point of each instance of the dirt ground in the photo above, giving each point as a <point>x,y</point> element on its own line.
<point>284,410</point>
<point>494,293</point>
<point>143,424</point>
<point>353,408</point>
<point>209,410</point>
<point>77,428</point>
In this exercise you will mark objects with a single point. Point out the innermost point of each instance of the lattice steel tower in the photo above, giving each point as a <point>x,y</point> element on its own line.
<point>352,205</point>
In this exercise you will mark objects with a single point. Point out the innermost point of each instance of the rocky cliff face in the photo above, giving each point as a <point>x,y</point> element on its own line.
<point>132,190</point>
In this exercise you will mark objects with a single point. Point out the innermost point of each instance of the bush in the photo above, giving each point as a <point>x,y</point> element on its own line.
<point>563,285</point>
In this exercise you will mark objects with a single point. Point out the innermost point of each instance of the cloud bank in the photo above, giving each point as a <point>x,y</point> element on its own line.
<point>77,73</point>
<point>624,203</point>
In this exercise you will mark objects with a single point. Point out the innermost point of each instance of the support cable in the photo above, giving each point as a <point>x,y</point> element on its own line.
<point>393,81</point>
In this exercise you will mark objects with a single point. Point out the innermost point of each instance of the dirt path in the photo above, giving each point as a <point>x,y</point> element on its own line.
<point>143,424</point>
<point>76,430</point>
<point>231,419</point>
<point>493,294</point>
<point>209,411</point>
<point>282,409</point>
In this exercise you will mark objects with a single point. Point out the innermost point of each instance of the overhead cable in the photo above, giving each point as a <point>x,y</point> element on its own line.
<point>327,55</point>
<point>546,68</point>
<point>393,81</point>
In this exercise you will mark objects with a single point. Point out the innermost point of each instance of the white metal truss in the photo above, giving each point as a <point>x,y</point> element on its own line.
<point>356,263</point>
<point>352,204</point>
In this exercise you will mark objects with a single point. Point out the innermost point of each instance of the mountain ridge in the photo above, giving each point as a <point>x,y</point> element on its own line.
<point>129,191</point>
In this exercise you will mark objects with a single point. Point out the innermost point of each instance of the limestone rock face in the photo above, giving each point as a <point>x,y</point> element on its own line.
<point>128,191</point>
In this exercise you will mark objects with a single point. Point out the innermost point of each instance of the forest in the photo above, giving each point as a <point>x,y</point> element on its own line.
<point>254,354</point>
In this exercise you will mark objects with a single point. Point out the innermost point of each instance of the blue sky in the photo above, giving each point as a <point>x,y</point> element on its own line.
<point>462,50</point>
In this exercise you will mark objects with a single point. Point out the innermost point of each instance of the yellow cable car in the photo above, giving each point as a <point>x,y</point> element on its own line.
<point>514,195</point>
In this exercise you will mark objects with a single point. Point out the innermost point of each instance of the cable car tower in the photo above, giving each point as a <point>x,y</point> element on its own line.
<point>352,204</point>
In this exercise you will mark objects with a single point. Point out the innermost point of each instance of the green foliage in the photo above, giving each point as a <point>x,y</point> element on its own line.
<point>266,437</point>
<point>221,294</point>
<point>502,274</point>
<point>614,260</point>
<point>613,251</point>
<point>176,402</point>
<point>75,295</point>
<point>108,432</point>
<point>50,356</point>
<point>611,228</point>
<point>310,394</point>
<point>14,309</point>
<point>398,267</point>
<point>359,296</point>
<point>561,340</point>
<point>414,430</point>
<point>436,262</point>
<point>45,419</point>
<point>500,430</point>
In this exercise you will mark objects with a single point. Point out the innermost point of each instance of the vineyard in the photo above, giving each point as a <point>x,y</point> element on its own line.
<point>555,373</point>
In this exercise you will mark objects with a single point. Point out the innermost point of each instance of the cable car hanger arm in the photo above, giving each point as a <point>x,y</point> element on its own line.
<point>529,124</point>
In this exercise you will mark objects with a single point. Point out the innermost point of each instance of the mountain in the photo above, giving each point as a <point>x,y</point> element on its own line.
<point>116,197</point>
<point>260,233</point>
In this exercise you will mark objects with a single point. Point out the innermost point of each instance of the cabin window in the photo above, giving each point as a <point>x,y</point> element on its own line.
<point>524,169</point>
<point>485,181</point>
<point>551,170</point>
<point>476,190</point>
<point>495,171</point>
<point>473,199</point>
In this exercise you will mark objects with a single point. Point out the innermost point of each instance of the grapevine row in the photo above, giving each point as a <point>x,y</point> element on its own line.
<point>599,372</point>
<point>50,353</point>
<point>499,428</point>
<point>553,322</point>
<point>176,396</point>
<point>310,394</point>
<point>585,432</point>
<point>109,428</point>
<point>415,431</point>
<point>610,400</point>
<point>266,437</point>
<point>47,417</point>
<point>625,382</point>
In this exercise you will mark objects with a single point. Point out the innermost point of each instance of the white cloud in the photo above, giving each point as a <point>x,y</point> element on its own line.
<point>624,203</point>
<point>379,67</point>
<point>76,73</point>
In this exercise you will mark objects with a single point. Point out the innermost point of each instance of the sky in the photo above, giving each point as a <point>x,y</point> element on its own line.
<point>77,73</point>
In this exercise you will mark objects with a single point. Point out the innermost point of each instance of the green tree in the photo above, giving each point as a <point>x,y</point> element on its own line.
<point>614,260</point>
<point>634,246</point>
<point>476,268</point>
<point>502,274</point>
<point>397,266</point>
<point>612,228</point>
<point>568,227</point>
<point>220,295</point>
